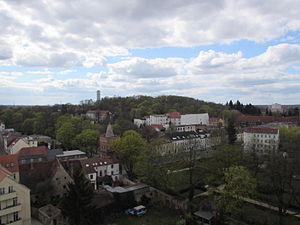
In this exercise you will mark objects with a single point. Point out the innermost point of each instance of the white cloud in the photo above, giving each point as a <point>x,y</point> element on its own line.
<point>84,33</point>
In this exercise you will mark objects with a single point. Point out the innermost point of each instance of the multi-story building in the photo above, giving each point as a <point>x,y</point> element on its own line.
<point>96,169</point>
<point>261,140</point>
<point>14,200</point>
<point>175,119</point>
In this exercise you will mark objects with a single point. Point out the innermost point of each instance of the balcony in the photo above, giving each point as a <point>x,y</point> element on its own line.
<point>10,209</point>
<point>7,196</point>
<point>17,222</point>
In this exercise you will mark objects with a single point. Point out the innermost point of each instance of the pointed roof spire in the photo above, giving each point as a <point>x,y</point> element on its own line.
<point>109,131</point>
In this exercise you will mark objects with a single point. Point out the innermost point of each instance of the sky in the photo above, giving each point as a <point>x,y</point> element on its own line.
<point>61,51</point>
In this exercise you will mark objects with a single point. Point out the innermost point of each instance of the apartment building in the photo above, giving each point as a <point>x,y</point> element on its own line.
<point>14,200</point>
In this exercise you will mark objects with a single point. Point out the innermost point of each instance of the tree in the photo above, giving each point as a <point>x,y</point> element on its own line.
<point>88,141</point>
<point>76,204</point>
<point>278,180</point>
<point>130,149</point>
<point>238,184</point>
<point>66,134</point>
<point>231,132</point>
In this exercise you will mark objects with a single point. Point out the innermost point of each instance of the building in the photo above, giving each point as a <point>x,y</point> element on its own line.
<point>216,122</point>
<point>10,162</point>
<point>175,119</point>
<point>98,95</point>
<point>97,169</point>
<point>51,215</point>
<point>71,155</point>
<point>32,155</point>
<point>251,121</point>
<point>182,141</point>
<point>16,146</point>
<point>189,119</point>
<point>261,140</point>
<point>97,115</point>
<point>14,200</point>
<point>2,126</point>
<point>106,140</point>
<point>276,108</point>
<point>47,175</point>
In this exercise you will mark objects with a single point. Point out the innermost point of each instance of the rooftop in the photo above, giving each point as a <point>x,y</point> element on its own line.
<point>262,130</point>
<point>10,162</point>
<point>71,153</point>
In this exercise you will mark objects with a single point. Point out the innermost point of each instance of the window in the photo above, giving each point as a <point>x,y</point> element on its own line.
<point>100,173</point>
<point>10,189</point>
<point>2,191</point>
<point>16,216</point>
<point>91,176</point>
<point>112,166</point>
<point>15,201</point>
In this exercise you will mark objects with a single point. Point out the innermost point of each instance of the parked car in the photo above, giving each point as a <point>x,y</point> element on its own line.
<point>136,211</point>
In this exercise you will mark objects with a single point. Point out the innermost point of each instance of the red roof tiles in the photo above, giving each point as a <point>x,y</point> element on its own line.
<point>262,130</point>
<point>174,115</point>
<point>10,162</point>
<point>30,151</point>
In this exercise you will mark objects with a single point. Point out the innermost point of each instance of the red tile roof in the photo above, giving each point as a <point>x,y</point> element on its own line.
<point>31,151</point>
<point>267,119</point>
<point>261,130</point>
<point>4,173</point>
<point>174,115</point>
<point>10,162</point>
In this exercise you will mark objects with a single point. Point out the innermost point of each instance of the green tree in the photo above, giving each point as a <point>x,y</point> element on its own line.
<point>66,134</point>
<point>88,141</point>
<point>239,184</point>
<point>76,204</point>
<point>27,126</point>
<point>231,132</point>
<point>131,148</point>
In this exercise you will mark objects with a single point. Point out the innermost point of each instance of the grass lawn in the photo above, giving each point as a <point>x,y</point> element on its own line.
<point>154,216</point>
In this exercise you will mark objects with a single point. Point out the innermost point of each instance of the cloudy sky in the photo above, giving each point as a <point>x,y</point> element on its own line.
<point>61,51</point>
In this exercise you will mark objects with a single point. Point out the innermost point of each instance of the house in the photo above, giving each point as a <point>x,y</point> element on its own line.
<point>182,141</point>
<point>10,162</point>
<point>174,118</point>
<point>204,217</point>
<point>71,155</point>
<point>32,155</point>
<point>45,175</point>
<point>276,108</point>
<point>17,145</point>
<point>261,140</point>
<point>216,122</point>
<point>97,115</point>
<point>97,169</point>
<point>14,200</point>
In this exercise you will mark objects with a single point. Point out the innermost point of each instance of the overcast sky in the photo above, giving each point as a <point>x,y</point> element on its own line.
<point>61,51</point>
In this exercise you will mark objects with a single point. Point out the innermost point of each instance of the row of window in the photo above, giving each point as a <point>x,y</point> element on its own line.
<point>10,190</point>
<point>7,219</point>
<point>264,135</point>
<point>6,204</point>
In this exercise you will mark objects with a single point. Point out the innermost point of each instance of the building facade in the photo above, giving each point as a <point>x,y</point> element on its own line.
<point>261,140</point>
<point>14,200</point>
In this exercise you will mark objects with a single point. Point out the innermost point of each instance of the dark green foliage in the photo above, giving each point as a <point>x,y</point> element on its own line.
<point>231,132</point>
<point>248,109</point>
<point>76,204</point>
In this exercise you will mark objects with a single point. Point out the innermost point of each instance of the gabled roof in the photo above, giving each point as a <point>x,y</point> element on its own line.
<point>214,119</point>
<point>10,162</point>
<point>4,173</point>
<point>174,115</point>
<point>33,151</point>
<point>262,130</point>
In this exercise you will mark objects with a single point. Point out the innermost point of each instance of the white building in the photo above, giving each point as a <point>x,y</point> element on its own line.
<point>190,119</point>
<point>261,140</point>
<point>175,119</point>
<point>276,108</point>
<point>98,168</point>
